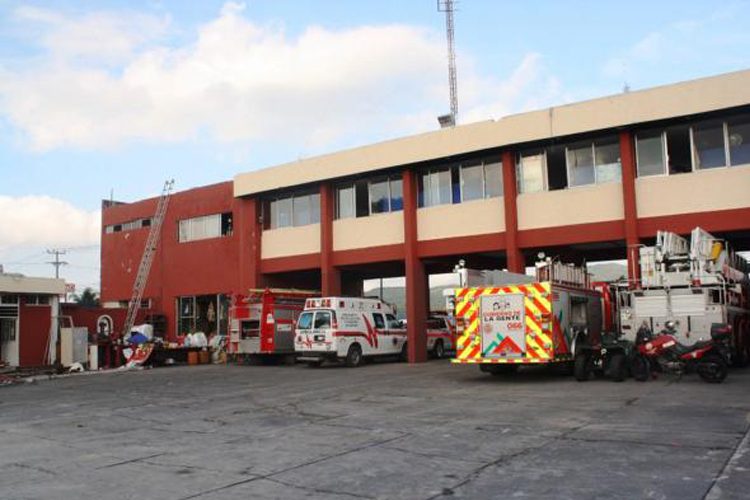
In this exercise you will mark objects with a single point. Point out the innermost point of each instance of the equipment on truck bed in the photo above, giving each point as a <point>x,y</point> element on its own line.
<point>694,284</point>
<point>262,322</point>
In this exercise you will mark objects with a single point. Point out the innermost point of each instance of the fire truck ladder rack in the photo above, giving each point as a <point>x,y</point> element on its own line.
<point>563,274</point>
<point>139,285</point>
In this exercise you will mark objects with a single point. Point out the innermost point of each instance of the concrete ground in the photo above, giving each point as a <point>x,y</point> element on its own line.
<point>385,430</point>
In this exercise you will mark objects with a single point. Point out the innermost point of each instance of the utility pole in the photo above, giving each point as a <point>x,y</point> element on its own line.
<point>57,262</point>
<point>447,7</point>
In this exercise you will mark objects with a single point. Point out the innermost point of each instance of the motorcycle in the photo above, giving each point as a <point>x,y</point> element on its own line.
<point>662,352</point>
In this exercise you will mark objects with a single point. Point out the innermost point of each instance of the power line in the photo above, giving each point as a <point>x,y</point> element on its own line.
<point>57,262</point>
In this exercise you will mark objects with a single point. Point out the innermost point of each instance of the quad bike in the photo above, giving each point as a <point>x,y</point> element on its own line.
<point>662,352</point>
<point>610,356</point>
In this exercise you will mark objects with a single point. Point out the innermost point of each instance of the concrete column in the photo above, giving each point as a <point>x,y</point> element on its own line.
<point>516,262</point>
<point>416,278</point>
<point>330,276</point>
<point>632,242</point>
<point>249,227</point>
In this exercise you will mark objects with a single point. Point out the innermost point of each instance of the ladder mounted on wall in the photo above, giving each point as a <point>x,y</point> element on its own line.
<point>139,285</point>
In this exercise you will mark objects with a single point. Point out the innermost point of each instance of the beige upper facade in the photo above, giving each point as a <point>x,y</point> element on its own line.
<point>16,283</point>
<point>680,99</point>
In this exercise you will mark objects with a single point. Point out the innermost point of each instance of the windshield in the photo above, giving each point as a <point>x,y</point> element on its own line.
<point>305,321</point>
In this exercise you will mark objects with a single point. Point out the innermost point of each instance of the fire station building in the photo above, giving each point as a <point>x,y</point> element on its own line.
<point>591,180</point>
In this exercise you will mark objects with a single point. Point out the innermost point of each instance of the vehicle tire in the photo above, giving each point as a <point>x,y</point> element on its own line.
<point>353,356</point>
<point>616,366</point>
<point>712,368</point>
<point>582,366</point>
<point>404,355</point>
<point>640,367</point>
<point>439,349</point>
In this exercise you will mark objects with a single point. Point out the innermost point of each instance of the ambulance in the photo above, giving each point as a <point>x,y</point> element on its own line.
<point>349,330</point>
<point>441,334</point>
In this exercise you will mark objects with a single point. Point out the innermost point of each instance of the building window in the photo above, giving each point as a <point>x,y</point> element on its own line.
<point>581,164</point>
<point>295,210</point>
<point>369,196</point>
<point>596,162</point>
<point>437,187</point>
<point>205,227</point>
<point>607,160</point>
<point>530,172</point>
<point>493,178</point>
<point>708,145</point>
<point>650,153</point>
<point>127,226</point>
<point>37,300</point>
<point>187,315</point>
<point>679,158</point>
<point>472,181</point>
<point>345,201</point>
<point>738,138</point>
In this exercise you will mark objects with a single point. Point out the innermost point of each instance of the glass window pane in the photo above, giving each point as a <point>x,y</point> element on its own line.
<point>315,208</point>
<point>301,211</point>
<point>283,213</point>
<point>739,140</point>
<point>493,179</point>
<point>322,320</point>
<point>379,199</point>
<point>379,321</point>
<point>345,202</point>
<point>531,179</point>
<point>184,231</point>
<point>212,226</point>
<point>607,160</point>
<point>397,194</point>
<point>437,187</point>
<point>445,195</point>
<point>581,164</point>
<point>305,321</point>
<point>650,148</point>
<point>471,181</point>
<point>708,141</point>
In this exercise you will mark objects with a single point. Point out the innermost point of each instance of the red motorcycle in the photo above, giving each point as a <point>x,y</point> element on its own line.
<point>710,358</point>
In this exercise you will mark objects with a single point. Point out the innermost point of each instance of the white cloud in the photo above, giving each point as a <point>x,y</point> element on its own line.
<point>43,220</point>
<point>240,82</point>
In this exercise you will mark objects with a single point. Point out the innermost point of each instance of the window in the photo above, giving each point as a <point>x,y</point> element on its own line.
<point>493,179</point>
<point>296,210</point>
<point>472,181</point>
<point>708,145</point>
<point>8,329</point>
<point>37,300</point>
<point>581,164</point>
<point>345,202</point>
<point>678,150</point>
<point>397,194</point>
<point>127,226</point>
<point>650,153</point>
<point>379,321</point>
<point>187,315</point>
<point>607,160</point>
<point>530,171</point>
<point>393,323</point>
<point>322,320</point>
<point>204,227</point>
<point>436,187</point>
<point>8,299</point>
<point>738,132</point>
<point>380,200</point>
<point>305,321</point>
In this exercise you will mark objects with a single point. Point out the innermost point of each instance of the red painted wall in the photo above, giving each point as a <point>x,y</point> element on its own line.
<point>194,268</point>
<point>34,334</point>
<point>88,316</point>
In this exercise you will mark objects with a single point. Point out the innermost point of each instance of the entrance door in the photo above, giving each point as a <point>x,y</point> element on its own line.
<point>503,324</point>
<point>9,340</point>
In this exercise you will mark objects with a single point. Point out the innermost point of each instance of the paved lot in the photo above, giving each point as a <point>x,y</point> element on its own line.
<point>385,430</point>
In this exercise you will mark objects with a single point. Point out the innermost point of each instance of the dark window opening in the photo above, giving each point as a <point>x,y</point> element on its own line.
<point>146,223</point>
<point>117,228</point>
<point>678,150</point>
<point>361,198</point>
<point>226,224</point>
<point>557,177</point>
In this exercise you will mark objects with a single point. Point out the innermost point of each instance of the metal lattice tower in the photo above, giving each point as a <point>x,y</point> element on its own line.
<point>139,285</point>
<point>447,7</point>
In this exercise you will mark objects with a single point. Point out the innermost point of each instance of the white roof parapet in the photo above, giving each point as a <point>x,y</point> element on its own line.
<point>658,103</point>
<point>16,283</point>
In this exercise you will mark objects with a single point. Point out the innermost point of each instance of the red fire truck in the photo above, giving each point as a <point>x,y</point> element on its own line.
<point>262,323</point>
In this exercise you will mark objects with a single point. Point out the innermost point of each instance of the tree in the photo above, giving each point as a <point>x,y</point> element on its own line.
<point>87,298</point>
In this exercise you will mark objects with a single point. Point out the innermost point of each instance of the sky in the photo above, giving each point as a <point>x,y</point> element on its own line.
<point>103,99</point>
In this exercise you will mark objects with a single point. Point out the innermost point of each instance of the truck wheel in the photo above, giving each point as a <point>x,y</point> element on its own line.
<point>640,367</point>
<point>439,349</point>
<point>404,355</point>
<point>582,366</point>
<point>616,366</point>
<point>712,368</point>
<point>354,356</point>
